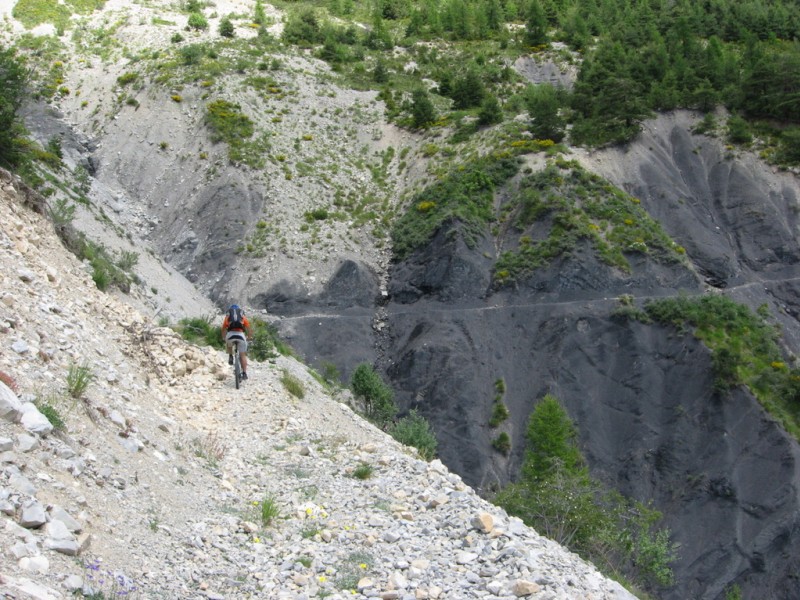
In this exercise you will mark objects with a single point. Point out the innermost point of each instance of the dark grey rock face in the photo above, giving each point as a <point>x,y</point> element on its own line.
<point>334,326</point>
<point>723,473</point>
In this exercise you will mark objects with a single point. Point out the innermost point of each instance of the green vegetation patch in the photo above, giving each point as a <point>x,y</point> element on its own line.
<point>35,12</point>
<point>107,271</point>
<point>466,195</point>
<point>265,342</point>
<point>228,123</point>
<point>744,347</point>
<point>414,430</point>
<point>377,396</point>
<point>555,208</point>
<point>201,331</point>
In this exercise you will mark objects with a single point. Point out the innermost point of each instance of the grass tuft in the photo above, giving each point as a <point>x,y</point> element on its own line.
<point>363,471</point>
<point>269,510</point>
<point>78,379</point>
<point>293,385</point>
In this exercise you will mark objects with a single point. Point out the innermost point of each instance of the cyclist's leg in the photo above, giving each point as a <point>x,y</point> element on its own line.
<point>243,357</point>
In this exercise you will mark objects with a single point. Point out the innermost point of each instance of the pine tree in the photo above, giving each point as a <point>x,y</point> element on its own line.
<point>468,90</point>
<point>536,25</point>
<point>380,74</point>
<point>543,104</point>
<point>422,111</point>
<point>490,112</point>
<point>552,442</point>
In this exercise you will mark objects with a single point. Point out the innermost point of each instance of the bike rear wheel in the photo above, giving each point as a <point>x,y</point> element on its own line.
<point>237,365</point>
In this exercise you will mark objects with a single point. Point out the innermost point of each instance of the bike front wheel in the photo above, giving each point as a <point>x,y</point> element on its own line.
<point>237,366</point>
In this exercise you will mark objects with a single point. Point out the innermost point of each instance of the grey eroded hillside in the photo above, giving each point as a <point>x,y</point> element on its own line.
<point>232,226</point>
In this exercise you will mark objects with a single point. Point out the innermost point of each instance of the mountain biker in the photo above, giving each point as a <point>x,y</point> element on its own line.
<point>235,326</point>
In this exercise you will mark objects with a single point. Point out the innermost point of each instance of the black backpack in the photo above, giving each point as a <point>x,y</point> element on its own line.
<point>235,318</point>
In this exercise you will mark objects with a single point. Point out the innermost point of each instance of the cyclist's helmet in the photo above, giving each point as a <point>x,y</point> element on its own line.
<point>234,307</point>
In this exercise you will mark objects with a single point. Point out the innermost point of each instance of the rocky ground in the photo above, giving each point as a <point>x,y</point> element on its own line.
<point>158,481</point>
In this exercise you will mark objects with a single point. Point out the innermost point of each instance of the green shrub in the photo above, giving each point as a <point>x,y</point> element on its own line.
<point>706,126</point>
<point>318,214</point>
<point>725,362</point>
<point>491,112</point>
<point>466,194</point>
<point>127,260</point>
<point>422,111</point>
<point>51,414</point>
<point>330,373</point>
<point>499,414</point>
<point>226,28</point>
<point>192,54</point>
<point>62,213</point>
<point>745,350</point>
<point>566,206</point>
<point>739,131</point>
<point>552,440</point>
<point>13,81</point>
<point>259,14</point>
<point>105,272</point>
<point>414,430</point>
<point>54,147</point>
<point>228,123</point>
<point>35,12</point>
<point>201,331</point>
<point>101,276</point>
<point>262,344</point>
<point>502,443</point>
<point>265,342</point>
<point>303,28</point>
<point>378,397</point>
<point>127,78</point>
<point>197,21</point>
<point>79,377</point>
<point>789,149</point>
